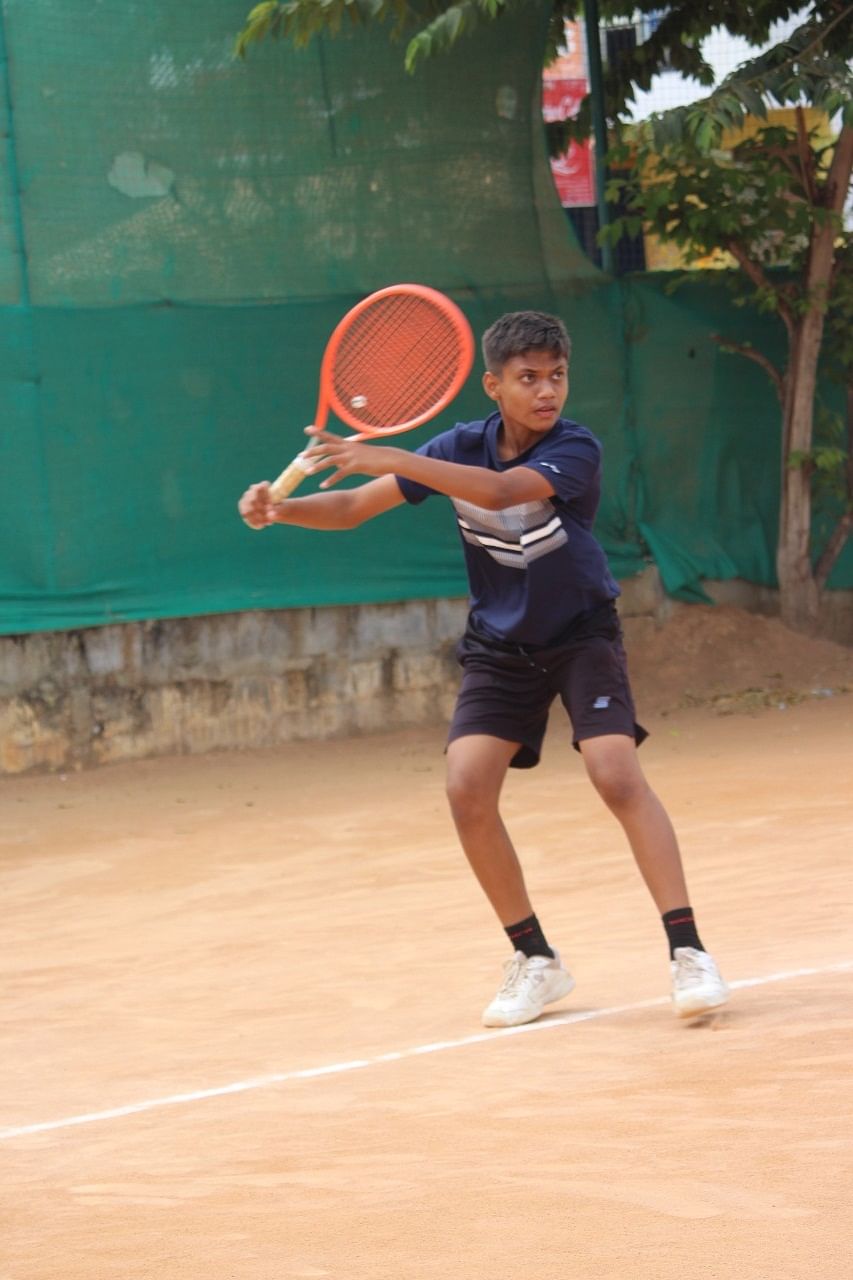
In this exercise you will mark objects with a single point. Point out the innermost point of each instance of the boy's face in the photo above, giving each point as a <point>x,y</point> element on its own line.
<point>530,390</point>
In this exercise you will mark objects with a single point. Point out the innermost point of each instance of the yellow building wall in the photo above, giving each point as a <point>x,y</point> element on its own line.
<point>668,257</point>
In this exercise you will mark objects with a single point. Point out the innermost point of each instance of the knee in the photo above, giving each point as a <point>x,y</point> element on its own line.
<point>620,788</point>
<point>470,801</point>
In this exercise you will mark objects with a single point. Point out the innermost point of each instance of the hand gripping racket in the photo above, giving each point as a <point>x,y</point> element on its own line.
<point>395,360</point>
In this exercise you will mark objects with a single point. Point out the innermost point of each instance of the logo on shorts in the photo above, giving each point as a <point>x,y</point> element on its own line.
<point>601,704</point>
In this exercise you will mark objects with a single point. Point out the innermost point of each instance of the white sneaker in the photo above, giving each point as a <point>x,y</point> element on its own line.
<point>530,982</point>
<point>697,986</point>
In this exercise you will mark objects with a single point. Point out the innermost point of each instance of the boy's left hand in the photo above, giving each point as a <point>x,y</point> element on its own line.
<point>348,457</point>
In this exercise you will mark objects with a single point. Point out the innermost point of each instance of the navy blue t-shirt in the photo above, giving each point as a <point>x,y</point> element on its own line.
<point>534,567</point>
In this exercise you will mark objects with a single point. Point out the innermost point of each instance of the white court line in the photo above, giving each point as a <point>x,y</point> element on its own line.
<point>399,1055</point>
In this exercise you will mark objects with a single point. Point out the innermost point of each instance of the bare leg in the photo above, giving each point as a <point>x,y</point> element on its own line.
<point>476,768</point>
<point>612,764</point>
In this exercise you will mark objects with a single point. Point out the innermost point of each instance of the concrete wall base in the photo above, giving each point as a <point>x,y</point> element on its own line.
<point>190,685</point>
<point>75,699</point>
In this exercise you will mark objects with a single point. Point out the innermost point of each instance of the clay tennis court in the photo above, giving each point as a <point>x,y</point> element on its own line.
<point>242,1038</point>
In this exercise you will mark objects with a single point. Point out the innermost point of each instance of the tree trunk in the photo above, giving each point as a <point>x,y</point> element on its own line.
<point>798,588</point>
<point>799,597</point>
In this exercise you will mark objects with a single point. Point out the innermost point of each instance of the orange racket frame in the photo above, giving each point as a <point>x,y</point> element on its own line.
<point>457,330</point>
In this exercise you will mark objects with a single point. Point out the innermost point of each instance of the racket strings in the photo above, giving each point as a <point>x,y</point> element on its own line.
<point>400,356</point>
<point>393,391</point>
<point>398,359</point>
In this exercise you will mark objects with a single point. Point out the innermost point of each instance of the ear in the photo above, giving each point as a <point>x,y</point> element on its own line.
<point>491,385</point>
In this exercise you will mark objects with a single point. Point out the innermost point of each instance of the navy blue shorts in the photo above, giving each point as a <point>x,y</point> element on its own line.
<point>507,689</point>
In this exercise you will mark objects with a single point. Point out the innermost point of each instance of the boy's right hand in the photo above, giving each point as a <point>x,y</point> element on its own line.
<point>257,507</point>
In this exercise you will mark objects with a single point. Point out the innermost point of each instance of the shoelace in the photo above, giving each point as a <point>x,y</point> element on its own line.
<point>513,973</point>
<point>691,969</point>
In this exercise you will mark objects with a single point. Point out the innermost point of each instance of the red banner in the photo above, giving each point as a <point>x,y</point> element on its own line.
<point>561,98</point>
<point>574,172</point>
<point>574,176</point>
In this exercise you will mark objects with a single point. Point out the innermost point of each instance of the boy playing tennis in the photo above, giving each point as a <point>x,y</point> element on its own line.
<point>525,486</point>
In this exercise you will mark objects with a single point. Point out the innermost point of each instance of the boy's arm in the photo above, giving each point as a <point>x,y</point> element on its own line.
<point>342,510</point>
<point>493,490</point>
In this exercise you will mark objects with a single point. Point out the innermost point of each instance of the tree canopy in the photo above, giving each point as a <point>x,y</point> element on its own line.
<point>813,63</point>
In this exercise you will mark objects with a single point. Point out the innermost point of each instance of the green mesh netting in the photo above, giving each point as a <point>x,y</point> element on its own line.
<point>179,233</point>
<point>155,167</point>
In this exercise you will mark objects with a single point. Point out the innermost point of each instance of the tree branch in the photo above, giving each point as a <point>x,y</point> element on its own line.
<point>762,281</point>
<point>794,166</point>
<point>840,169</point>
<point>822,32</point>
<point>742,349</point>
<point>806,158</point>
<point>833,549</point>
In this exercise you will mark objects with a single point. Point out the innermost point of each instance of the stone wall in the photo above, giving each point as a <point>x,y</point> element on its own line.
<point>188,685</point>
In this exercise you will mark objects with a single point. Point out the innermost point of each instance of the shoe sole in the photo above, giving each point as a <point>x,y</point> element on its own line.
<point>700,1006</point>
<point>567,986</point>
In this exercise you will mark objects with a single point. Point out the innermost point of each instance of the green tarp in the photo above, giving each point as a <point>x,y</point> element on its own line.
<point>179,233</point>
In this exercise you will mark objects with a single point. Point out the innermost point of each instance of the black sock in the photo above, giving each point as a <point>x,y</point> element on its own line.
<point>527,936</point>
<point>681,929</point>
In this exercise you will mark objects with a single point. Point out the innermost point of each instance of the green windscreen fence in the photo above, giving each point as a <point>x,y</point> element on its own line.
<point>179,234</point>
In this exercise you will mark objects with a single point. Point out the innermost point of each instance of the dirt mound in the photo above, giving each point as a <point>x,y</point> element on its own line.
<point>722,656</point>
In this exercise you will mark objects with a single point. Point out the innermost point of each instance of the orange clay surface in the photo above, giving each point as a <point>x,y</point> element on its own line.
<point>241,1002</point>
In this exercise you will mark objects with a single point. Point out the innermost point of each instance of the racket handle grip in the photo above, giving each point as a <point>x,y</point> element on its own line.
<point>289,479</point>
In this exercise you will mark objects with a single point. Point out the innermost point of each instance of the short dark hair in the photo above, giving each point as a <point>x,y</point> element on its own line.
<point>519,331</point>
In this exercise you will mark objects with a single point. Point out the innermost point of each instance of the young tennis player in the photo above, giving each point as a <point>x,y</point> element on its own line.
<point>525,486</point>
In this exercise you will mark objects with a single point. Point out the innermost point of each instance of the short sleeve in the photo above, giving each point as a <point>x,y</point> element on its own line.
<point>440,447</point>
<point>572,465</point>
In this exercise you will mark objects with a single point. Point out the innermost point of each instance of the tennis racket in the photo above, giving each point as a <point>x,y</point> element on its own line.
<point>395,360</point>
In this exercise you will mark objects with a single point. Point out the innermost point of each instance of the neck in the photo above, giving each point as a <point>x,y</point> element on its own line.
<point>513,441</point>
